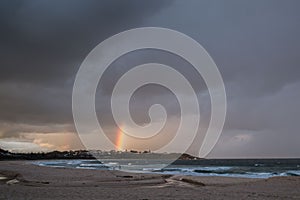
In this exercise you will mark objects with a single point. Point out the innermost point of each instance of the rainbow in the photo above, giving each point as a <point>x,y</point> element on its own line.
<point>119,140</point>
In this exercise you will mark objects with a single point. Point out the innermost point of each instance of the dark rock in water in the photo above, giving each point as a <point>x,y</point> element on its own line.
<point>188,157</point>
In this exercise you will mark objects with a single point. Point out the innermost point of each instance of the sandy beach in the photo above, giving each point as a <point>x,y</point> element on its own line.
<point>23,180</point>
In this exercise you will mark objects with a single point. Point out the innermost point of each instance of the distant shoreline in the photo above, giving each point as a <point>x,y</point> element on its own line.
<point>84,154</point>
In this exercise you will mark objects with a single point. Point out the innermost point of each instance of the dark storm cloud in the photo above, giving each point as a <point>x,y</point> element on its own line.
<point>43,44</point>
<point>46,40</point>
<point>255,45</point>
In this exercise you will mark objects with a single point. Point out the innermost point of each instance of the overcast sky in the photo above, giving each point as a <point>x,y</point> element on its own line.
<point>255,45</point>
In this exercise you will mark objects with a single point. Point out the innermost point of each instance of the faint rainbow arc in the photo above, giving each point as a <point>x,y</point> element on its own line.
<point>119,139</point>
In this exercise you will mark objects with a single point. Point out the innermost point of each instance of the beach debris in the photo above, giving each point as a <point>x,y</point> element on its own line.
<point>11,182</point>
<point>125,176</point>
<point>191,181</point>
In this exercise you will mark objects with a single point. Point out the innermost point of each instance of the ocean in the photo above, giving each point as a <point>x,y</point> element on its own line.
<point>247,168</point>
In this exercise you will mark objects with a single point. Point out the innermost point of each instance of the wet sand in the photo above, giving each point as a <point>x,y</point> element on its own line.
<point>23,180</point>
